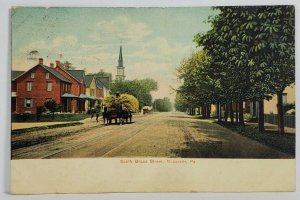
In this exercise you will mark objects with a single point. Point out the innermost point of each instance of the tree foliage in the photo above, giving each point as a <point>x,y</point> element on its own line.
<point>69,64</point>
<point>141,89</point>
<point>180,102</point>
<point>52,106</point>
<point>251,52</point>
<point>253,47</point>
<point>33,55</point>
<point>162,105</point>
<point>198,87</point>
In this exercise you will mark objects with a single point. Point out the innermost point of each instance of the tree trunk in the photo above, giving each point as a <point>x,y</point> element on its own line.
<point>231,113</point>
<point>218,112</point>
<point>261,117</point>
<point>221,112</point>
<point>226,113</point>
<point>208,110</point>
<point>280,113</point>
<point>241,112</point>
<point>236,113</point>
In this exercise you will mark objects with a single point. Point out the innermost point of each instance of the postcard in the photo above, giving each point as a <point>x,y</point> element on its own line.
<point>164,99</point>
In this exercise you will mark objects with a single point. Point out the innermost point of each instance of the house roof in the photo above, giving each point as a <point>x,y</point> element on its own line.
<point>103,81</point>
<point>55,73</point>
<point>15,74</point>
<point>88,80</point>
<point>78,75</point>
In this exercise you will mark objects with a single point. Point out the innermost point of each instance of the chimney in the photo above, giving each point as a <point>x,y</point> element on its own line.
<point>52,65</point>
<point>40,61</point>
<point>57,63</point>
<point>66,66</point>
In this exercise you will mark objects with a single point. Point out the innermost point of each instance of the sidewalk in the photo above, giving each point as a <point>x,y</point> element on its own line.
<point>273,127</point>
<point>22,125</point>
<point>27,125</point>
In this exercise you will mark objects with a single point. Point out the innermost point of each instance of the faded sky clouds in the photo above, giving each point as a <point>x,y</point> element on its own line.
<point>154,40</point>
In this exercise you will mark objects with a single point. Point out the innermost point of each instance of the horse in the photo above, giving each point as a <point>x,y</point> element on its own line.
<point>105,115</point>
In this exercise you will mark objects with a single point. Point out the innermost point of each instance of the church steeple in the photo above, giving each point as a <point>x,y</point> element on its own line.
<point>120,68</point>
<point>120,58</point>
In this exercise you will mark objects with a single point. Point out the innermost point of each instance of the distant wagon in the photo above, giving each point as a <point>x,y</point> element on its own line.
<point>146,109</point>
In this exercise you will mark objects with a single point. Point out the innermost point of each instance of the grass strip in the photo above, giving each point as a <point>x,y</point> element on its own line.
<point>281,142</point>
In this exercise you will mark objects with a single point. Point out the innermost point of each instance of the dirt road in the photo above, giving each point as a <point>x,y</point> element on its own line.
<point>153,135</point>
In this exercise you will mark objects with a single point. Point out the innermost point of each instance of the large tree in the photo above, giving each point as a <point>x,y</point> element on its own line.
<point>141,89</point>
<point>198,88</point>
<point>252,49</point>
<point>162,105</point>
<point>180,102</point>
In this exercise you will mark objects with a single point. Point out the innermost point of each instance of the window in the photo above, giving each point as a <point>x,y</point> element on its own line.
<point>29,86</point>
<point>66,88</point>
<point>92,92</point>
<point>32,75</point>
<point>28,103</point>
<point>284,98</point>
<point>47,75</point>
<point>49,86</point>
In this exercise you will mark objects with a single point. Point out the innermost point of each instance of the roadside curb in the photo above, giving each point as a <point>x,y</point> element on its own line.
<point>24,130</point>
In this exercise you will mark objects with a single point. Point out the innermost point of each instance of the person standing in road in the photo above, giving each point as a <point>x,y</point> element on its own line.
<point>92,113</point>
<point>97,111</point>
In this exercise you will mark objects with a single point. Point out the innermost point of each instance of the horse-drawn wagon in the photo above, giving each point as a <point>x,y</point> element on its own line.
<point>119,108</point>
<point>118,115</point>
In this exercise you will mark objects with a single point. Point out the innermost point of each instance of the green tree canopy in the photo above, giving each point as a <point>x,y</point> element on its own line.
<point>162,105</point>
<point>141,89</point>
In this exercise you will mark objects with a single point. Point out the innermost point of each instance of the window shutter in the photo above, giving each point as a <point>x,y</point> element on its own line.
<point>24,102</point>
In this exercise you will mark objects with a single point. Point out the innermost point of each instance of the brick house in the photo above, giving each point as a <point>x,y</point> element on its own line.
<point>76,99</point>
<point>37,85</point>
<point>14,75</point>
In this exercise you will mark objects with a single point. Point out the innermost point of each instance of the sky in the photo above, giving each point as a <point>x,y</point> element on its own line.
<point>154,40</point>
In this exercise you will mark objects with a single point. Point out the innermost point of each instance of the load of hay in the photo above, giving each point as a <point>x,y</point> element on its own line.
<point>126,101</point>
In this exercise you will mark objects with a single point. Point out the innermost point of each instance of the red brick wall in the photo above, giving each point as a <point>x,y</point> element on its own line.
<point>39,92</point>
<point>75,88</point>
<point>82,88</point>
<point>101,93</point>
